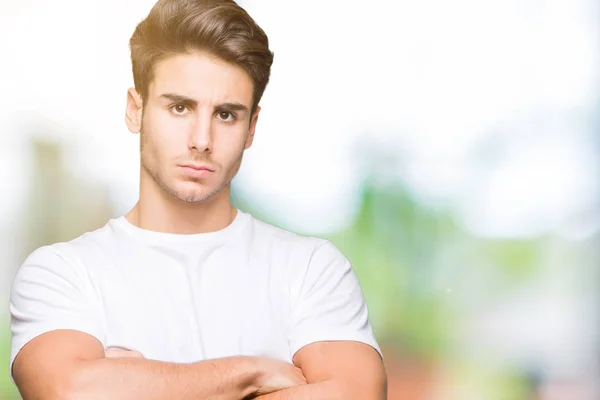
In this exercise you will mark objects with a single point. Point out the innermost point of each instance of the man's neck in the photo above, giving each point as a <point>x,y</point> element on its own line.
<point>183,218</point>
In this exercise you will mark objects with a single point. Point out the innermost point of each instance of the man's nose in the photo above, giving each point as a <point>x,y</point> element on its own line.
<point>200,137</point>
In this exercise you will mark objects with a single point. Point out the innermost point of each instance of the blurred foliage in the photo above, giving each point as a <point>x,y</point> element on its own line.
<point>516,258</point>
<point>470,381</point>
<point>7,389</point>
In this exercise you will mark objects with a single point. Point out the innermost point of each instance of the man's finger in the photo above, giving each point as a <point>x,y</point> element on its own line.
<point>122,354</point>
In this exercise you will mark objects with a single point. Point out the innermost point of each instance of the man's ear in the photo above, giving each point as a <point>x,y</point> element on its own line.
<point>253,121</point>
<point>133,112</point>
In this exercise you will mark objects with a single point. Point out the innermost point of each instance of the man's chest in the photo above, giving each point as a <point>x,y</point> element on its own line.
<point>183,314</point>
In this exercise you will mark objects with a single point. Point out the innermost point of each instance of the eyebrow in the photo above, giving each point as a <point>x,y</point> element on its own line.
<point>177,98</point>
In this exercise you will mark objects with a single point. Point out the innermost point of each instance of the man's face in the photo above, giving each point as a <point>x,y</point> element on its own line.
<point>195,126</point>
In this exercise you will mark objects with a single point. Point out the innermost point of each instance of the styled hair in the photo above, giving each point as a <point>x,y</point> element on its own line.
<point>219,27</point>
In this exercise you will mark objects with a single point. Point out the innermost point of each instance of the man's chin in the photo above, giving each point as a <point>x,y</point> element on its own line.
<point>192,192</point>
<point>192,198</point>
<point>189,192</point>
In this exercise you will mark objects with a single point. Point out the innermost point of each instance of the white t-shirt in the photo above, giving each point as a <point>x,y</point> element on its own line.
<point>248,289</point>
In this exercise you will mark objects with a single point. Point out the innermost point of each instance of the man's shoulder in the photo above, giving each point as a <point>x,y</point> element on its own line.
<point>302,250</point>
<point>264,231</point>
<point>71,251</point>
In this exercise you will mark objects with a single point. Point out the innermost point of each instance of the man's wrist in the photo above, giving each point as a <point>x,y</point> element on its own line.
<point>243,372</point>
<point>256,375</point>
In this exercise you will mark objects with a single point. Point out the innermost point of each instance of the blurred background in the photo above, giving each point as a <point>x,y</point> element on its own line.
<point>451,149</point>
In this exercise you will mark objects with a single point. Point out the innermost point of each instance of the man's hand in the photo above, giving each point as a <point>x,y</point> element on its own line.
<point>277,375</point>
<point>122,353</point>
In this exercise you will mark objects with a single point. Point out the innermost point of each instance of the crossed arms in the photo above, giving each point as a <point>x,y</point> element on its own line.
<point>72,365</point>
<point>52,301</point>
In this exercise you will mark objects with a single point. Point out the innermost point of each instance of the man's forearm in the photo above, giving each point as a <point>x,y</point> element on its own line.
<point>135,378</point>
<point>327,390</point>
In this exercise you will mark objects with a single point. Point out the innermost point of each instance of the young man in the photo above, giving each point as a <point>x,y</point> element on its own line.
<point>186,297</point>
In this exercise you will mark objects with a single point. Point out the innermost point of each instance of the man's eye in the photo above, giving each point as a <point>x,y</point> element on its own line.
<point>179,109</point>
<point>226,116</point>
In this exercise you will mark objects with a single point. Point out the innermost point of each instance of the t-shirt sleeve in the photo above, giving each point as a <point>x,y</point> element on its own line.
<point>329,303</point>
<point>50,293</point>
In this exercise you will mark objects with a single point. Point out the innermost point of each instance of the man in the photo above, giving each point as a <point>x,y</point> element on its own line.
<point>186,297</point>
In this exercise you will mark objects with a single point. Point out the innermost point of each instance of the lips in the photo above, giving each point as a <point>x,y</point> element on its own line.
<point>198,167</point>
<point>196,171</point>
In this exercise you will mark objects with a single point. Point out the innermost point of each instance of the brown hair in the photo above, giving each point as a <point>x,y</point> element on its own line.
<point>219,27</point>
